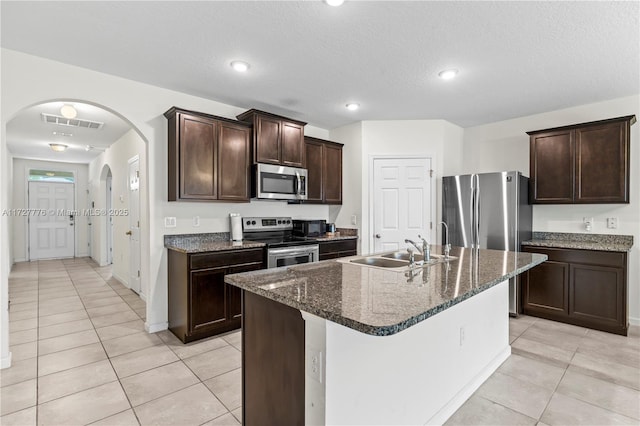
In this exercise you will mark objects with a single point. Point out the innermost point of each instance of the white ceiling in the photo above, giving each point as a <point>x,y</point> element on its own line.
<point>309,59</point>
<point>28,136</point>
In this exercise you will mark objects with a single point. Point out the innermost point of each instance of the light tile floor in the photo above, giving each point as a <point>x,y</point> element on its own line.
<point>81,356</point>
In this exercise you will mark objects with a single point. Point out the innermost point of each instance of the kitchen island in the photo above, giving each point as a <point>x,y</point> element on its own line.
<point>337,342</point>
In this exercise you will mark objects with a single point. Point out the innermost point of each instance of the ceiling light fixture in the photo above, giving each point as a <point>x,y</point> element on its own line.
<point>240,66</point>
<point>50,174</point>
<point>58,147</point>
<point>63,134</point>
<point>334,3</point>
<point>448,74</point>
<point>68,111</point>
<point>352,106</point>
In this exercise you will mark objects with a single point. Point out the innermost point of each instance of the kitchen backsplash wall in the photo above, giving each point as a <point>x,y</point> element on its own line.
<point>214,217</point>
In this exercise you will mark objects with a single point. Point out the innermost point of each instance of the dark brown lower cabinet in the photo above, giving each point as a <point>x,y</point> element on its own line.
<point>201,304</point>
<point>338,248</point>
<point>581,287</point>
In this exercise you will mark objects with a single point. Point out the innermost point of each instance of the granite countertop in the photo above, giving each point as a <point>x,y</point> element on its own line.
<point>382,302</point>
<point>220,241</point>
<point>200,243</point>
<point>601,242</point>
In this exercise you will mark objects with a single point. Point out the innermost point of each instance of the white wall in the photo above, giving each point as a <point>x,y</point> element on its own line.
<point>437,139</point>
<point>28,80</point>
<point>116,157</point>
<point>20,200</point>
<point>505,146</point>
<point>5,251</point>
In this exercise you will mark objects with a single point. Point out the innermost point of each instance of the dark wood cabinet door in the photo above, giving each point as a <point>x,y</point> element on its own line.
<point>266,142</point>
<point>234,294</point>
<point>314,168</point>
<point>597,295</point>
<point>292,141</point>
<point>233,162</point>
<point>602,164</point>
<point>198,171</point>
<point>207,300</point>
<point>546,290</point>
<point>552,167</point>
<point>332,174</point>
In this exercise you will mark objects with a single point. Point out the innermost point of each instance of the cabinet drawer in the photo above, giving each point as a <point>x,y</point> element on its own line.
<point>591,257</point>
<point>225,258</point>
<point>336,246</point>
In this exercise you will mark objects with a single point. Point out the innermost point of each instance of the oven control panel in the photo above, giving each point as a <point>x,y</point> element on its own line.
<point>255,224</point>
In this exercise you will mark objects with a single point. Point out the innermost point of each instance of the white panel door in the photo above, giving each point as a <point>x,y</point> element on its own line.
<point>51,231</point>
<point>401,201</point>
<point>134,224</point>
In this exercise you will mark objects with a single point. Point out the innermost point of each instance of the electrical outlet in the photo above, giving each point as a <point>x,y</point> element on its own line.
<point>354,219</point>
<point>196,221</point>
<point>314,364</point>
<point>588,223</point>
<point>169,222</point>
<point>612,222</point>
<point>461,336</point>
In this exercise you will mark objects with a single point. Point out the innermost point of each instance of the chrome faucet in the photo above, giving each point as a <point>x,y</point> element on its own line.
<point>447,246</point>
<point>426,252</point>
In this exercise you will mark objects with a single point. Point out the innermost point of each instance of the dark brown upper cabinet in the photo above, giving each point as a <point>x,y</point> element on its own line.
<point>276,139</point>
<point>324,164</point>
<point>585,163</point>
<point>209,157</point>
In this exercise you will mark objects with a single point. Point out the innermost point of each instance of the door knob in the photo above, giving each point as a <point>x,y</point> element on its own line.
<point>128,233</point>
<point>378,236</point>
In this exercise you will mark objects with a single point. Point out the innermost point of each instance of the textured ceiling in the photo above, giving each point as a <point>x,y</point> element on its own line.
<point>28,136</point>
<point>308,59</point>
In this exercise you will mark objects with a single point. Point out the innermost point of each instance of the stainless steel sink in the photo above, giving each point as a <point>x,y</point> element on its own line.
<point>380,262</point>
<point>402,255</point>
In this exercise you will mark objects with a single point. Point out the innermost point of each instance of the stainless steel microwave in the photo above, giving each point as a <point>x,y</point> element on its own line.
<point>279,182</point>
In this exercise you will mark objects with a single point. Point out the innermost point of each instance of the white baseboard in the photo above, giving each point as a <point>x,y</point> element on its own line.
<point>154,328</point>
<point>5,362</point>
<point>634,321</point>
<point>19,260</point>
<point>120,279</point>
<point>465,393</point>
<point>143,296</point>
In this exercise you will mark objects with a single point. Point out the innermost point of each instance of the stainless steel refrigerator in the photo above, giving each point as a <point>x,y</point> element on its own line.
<point>488,211</point>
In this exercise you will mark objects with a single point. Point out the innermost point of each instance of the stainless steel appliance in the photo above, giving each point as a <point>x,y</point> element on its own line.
<point>488,211</point>
<point>279,182</point>
<point>283,248</point>
<point>309,228</point>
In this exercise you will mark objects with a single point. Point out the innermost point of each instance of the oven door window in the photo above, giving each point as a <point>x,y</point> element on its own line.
<point>293,260</point>
<point>274,183</point>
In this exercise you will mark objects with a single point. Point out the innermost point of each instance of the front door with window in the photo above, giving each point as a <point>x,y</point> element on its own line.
<point>134,224</point>
<point>52,230</point>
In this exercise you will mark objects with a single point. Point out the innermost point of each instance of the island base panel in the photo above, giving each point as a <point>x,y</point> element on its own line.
<point>273,388</point>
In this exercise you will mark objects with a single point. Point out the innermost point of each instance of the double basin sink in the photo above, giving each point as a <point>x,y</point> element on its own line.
<point>399,260</point>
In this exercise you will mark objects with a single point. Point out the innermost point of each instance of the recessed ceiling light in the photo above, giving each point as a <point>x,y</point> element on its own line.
<point>63,134</point>
<point>448,74</point>
<point>58,147</point>
<point>334,2</point>
<point>240,66</point>
<point>352,106</point>
<point>68,111</point>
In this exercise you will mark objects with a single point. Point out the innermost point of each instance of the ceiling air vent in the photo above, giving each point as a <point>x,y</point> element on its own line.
<point>71,122</point>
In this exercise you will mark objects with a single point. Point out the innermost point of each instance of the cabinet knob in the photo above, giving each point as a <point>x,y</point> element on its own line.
<point>128,233</point>
<point>378,236</point>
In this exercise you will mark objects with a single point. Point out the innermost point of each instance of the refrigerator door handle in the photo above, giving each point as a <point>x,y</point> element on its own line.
<point>472,211</point>
<point>477,223</point>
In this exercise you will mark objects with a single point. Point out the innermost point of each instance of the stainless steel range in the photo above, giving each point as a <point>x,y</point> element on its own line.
<point>283,248</point>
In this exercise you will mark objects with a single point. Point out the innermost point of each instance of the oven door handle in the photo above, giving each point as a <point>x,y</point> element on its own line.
<point>294,250</point>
